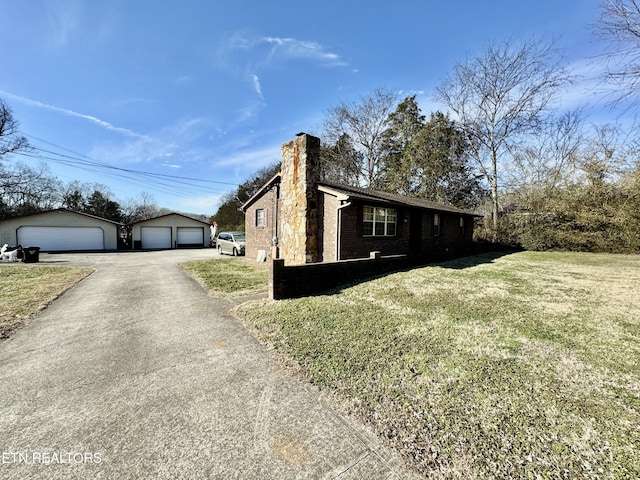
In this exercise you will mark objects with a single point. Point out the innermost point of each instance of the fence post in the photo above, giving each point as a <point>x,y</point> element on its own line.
<point>276,270</point>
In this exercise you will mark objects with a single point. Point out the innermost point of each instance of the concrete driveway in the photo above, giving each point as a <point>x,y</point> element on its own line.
<point>137,373</point>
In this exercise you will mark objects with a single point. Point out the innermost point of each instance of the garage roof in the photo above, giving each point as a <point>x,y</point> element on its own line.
<point>170,214</point>
<point>69,211</point>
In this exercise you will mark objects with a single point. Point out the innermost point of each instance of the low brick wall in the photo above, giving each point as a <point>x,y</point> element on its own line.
<point>313,278</point>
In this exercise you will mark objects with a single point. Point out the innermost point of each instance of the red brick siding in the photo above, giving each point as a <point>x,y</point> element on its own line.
<point>260,238</point>
<point>354,245</point>
<point>450,241</point>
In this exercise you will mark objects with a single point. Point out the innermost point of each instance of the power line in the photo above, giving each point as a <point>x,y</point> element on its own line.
<point>89,160</point>
<point>172,186</point>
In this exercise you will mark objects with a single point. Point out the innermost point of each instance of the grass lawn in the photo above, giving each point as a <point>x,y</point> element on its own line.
<point>518,366</point>
<point>229,277</point>
<point>27,288</point>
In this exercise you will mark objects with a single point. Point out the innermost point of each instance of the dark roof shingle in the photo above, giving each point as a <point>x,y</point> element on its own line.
<point>385,197</point>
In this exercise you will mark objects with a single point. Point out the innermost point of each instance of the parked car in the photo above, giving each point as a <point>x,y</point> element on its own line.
<point>231,243</point>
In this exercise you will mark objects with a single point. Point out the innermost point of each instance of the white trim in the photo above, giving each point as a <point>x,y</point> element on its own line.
<point>341,196</point>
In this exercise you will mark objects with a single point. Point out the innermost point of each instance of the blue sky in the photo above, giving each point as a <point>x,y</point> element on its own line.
<point>208,90</point>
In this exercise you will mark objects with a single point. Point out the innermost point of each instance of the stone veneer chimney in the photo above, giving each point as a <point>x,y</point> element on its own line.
<point>299,172</point>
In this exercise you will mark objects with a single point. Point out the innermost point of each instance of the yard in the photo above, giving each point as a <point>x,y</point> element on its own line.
<point>525,365</point>
<point>518,366</point>
<point>229,277</point>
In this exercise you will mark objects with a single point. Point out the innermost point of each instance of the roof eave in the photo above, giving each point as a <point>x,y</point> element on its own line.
<point>270,183</point>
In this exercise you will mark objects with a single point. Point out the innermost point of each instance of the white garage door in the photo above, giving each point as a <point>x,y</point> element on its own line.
<point>62,238</point>
<point>155,237</point>
<point>190,236</point>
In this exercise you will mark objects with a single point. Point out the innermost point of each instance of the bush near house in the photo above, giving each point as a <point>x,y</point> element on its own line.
<point>598,217</point>
<point>519,366</point>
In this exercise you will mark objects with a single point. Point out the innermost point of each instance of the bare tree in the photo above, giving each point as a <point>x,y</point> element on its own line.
<point>10,139</point>
<point>25,190</point>
<point>620,24</point>
<point>142,207</point>
<point>364,123</point>
<point>609,155</point>
<point>500,98</point>
<point>551,159</point>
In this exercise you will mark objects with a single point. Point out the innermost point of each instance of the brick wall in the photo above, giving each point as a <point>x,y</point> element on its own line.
<point>452,241</point>
<point>292,281</point>
<point>354,245</point>
<point>261,238</point>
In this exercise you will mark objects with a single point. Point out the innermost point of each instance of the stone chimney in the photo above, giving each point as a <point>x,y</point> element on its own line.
<point>299,172</point>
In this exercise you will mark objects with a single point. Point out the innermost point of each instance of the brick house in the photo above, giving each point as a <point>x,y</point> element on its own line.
<point>311,221</point>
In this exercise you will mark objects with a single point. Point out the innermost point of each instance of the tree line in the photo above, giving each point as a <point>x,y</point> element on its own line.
<point>557,181</point>
<point>542,175</point>
<point>504,146</point>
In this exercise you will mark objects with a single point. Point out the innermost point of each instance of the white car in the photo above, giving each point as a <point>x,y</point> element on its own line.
<point>231,243</point>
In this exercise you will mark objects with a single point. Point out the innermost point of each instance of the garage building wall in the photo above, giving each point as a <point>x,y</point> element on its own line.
<point>57,218</point>
<point>172,221</point>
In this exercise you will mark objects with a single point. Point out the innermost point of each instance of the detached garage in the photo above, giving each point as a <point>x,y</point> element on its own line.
<point>61,230</point>
<point>62,238</point>
<point>172,230</point>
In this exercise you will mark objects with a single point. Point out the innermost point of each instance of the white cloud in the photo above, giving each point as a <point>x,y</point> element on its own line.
<point>291,48</point>
<point>63,18</point>
<point>252,160</point>
<point>131,152</point>
<point>587,89</point>
<point>256,84</point>
<point>102,123</point>
<point>172,141</point>
<point>204,203</point>
<point>282,49</point>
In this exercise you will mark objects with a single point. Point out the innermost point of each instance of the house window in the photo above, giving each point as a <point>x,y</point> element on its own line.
<point>261,218</point>
<point>436,224</point>
<point>379,222</point>
<point>462,226</point>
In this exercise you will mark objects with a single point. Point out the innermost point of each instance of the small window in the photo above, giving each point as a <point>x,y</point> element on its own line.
<point>261,218</point>
<point>462,226</point>
<point>379,222</point>
<point>436,224</point>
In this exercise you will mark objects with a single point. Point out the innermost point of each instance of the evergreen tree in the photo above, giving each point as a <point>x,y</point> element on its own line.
<point>100,205</point>
<point>428,159</point>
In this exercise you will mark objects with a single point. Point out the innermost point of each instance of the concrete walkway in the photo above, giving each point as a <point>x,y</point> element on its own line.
<point>137,373</point>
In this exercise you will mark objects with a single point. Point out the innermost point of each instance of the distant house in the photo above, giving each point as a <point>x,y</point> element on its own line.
<point>172,230</point>
<point>61,230</point>
<point>310,221</point>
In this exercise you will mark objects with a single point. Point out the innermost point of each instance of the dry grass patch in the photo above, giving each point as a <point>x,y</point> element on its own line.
<point>229,277</point>
<point>28,288</point>
<point>516,366</point>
